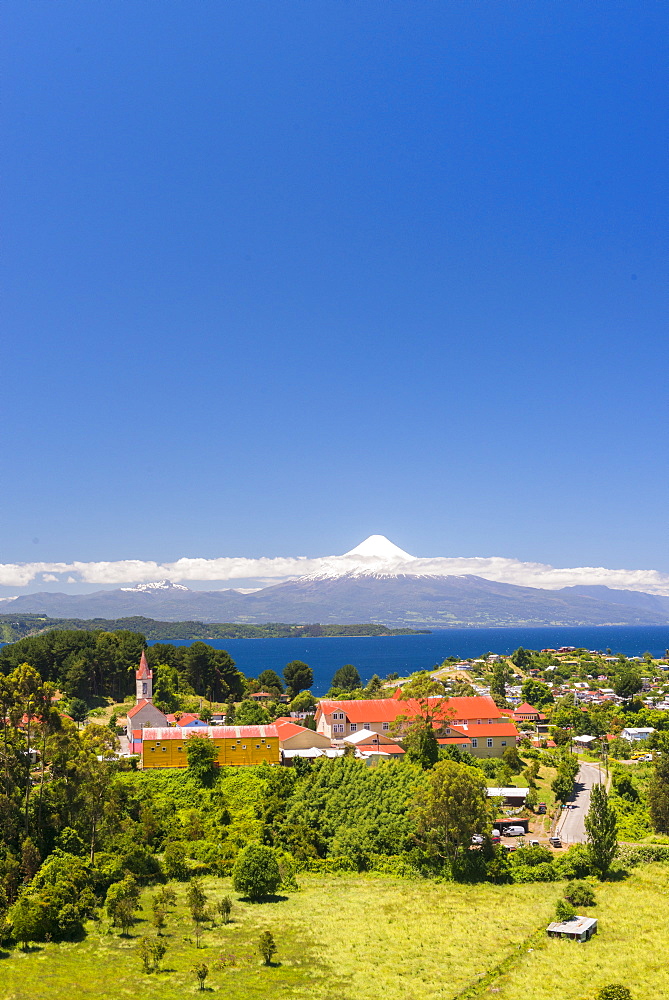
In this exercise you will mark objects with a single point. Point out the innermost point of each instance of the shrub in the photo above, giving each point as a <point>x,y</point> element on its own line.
<point>580,894</point>
<point>267,947</point>
<point>564,910</point>
<point>614,992</point>
<point>256,872</point>
<point>576,863</point>
<point>224,907</point>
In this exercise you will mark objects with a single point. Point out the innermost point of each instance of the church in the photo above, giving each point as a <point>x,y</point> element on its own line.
<point>144,713</point>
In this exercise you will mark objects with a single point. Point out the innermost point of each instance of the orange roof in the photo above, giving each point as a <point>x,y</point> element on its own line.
<point>287,728</point>
<point>388,709</point>
<point>454,739</point>
<point>525,709</point>
<point>380,748</point>
<point>143,673</point>
<point>136,708</point>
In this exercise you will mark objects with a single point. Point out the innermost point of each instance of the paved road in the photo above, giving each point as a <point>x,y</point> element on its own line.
<point>571,828</point>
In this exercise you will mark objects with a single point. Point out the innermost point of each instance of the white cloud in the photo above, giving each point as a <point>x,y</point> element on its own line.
<point>275,570</point>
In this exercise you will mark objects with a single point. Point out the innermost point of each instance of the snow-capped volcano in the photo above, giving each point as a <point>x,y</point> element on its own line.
<point>158,585</point>
<point>377,556</point>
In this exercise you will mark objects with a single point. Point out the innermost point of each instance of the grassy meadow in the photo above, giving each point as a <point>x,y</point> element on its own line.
<point>368,936</point>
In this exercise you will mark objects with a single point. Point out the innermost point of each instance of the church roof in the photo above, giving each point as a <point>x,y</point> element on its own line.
<point>143,672</point>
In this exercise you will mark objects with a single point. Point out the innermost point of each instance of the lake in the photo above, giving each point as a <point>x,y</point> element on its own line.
<point>403,654</point>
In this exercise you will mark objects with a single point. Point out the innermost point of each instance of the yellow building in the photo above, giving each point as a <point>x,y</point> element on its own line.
<point>236,745</point>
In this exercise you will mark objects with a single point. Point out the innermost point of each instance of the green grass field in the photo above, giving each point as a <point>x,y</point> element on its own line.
<point>365,937</point>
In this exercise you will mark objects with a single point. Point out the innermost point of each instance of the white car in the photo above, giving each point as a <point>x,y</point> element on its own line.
<point>514,831</point>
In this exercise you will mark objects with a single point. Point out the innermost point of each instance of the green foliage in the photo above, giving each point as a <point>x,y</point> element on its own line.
<point>420,745</point>
<point>580,894</point>
<point>658,794</point>
<point>347,678</point>
<point>267,947</point>
<point>303,702</point>
<point>151,953</point>
<point>627,682</point>
<point>521,658</point>
<point>256,872</point>
<point>250,713</point>
<point>451,808</point>
<point>270,681</point>
<point>201,754</point>
<point>174,861</point>
<point>298,676</point>
<point>564,910</point>
<point>602,830</point>
<point>535,693</point>
<point>615,991</point>
<point>197,900</point>
<point>201,972</point>
<point>224,907</point>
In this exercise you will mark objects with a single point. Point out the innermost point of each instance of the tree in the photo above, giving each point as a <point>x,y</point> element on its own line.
<point>201,972</point>
<point>536,693</point>
<point>658,794</point>
<point>421,746</point>
<point>174,861</point>
<point>511,757</point>
<point>224,907</point>
<point>521,658</point>
<point>298,676</point>
<point>500,677</point>
<point>30,859</point>
<point>78,710</point>
<point>347,678</point>
<point>451,808</point>
<point>270,681</point>
<point>197,900</point>
<point>303,702</point>
<point>202,755</point>
<point>29,919</point>
<point>627,682</point>
<point>267,947</point>
<point>256,872</point>
<point>601,827</point>
<point>158,919</point>
<point>250,713</point>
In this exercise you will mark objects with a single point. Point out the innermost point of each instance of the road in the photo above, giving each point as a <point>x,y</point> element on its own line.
<point>571,827</point>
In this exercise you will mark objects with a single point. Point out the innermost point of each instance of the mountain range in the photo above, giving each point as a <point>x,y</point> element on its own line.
<point>374,582</point>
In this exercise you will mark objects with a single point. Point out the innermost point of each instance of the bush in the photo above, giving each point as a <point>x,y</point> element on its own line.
<point>174,861</point>
<point>564,910</point>
<point>576,863</point>
<point>256,872</point>
<point>544,872</point>
<point>267,947</point>
<point>614,992</point>
<point>580,894</point>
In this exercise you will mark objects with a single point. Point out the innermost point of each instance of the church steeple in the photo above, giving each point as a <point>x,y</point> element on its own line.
<point>144,680</point>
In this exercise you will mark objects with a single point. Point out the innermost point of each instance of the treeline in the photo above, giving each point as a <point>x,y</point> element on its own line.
<point>14,627</point>
<point>90,665</point>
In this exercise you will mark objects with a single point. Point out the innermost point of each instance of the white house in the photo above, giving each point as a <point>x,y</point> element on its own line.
<point>637,735</point>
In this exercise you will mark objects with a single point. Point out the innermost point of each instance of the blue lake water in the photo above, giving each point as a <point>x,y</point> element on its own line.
<point>404,653</point>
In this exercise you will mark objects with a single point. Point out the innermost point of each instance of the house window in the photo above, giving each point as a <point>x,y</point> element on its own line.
<point>366,725</point>
<point>503,743</point>
<point>475,743</point>
<point>489,742</point>
<point>164,749</point>
<point>386,727</point>
<point>354,727</point>
<point>338,729</point>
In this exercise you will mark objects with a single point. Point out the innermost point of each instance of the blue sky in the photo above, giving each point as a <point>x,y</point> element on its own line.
<point>280,276</point>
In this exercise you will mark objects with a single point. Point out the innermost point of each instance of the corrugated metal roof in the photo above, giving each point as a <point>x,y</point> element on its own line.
<point>212,733</point>
<point>388,709</point>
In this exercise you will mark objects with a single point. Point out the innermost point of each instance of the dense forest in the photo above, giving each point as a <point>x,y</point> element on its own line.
<point>13,627</point>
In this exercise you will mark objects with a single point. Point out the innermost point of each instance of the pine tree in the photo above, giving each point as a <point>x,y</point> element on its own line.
<point>602,830</point>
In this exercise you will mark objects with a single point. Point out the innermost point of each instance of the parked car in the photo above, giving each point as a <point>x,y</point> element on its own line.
<point>541,809</point>
<point>555,842</point>
<point>534,843</point>
<point>515,831</point>
<point>478,838</point>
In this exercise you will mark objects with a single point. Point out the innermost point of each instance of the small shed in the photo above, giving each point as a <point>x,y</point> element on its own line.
<point>576,929</point>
